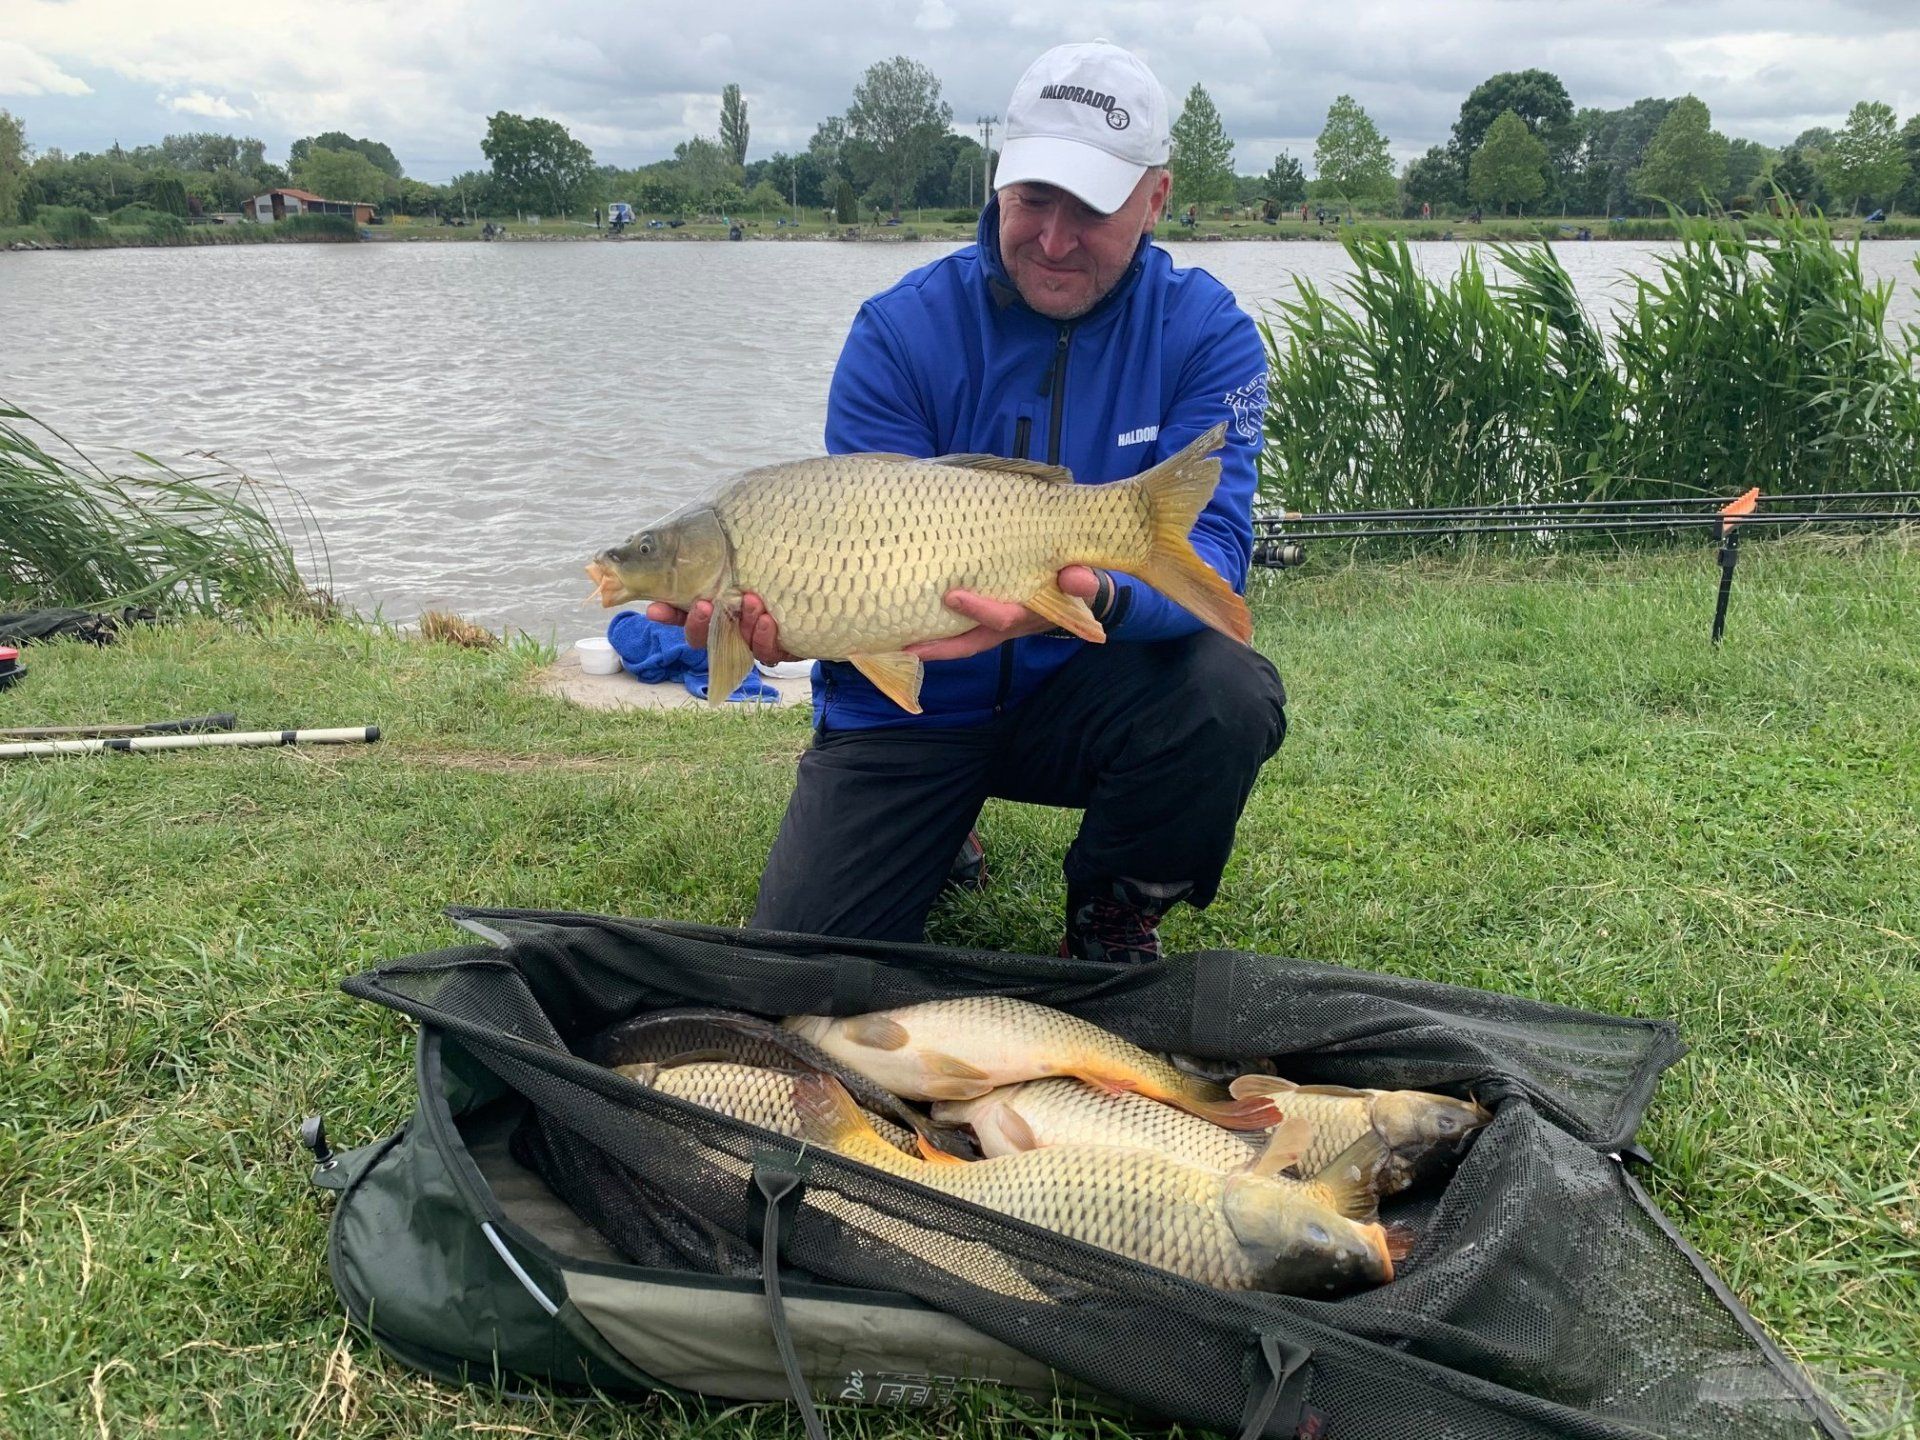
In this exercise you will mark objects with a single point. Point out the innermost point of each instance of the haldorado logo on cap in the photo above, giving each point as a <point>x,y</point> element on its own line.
<point>1117,118</point>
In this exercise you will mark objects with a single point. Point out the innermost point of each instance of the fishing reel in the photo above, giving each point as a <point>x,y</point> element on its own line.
<point>1279,554</point>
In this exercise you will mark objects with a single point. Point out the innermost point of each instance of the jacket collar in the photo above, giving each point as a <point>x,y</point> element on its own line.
<point>1006,295</point>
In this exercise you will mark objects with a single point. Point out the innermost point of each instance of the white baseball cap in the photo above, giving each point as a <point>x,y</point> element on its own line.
<point>1089,118</point>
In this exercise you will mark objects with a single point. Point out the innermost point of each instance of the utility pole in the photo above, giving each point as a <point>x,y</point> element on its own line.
<point>986,123</point>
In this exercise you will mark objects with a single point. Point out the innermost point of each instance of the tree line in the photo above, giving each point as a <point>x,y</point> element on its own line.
<point>1518,143</point>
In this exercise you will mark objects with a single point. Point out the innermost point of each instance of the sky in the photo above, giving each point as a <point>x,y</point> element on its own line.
<point>632,79</point>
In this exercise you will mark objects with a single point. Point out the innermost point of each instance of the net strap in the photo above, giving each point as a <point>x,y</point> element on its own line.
<point>1281,1361</point>
<point>777,1176</point>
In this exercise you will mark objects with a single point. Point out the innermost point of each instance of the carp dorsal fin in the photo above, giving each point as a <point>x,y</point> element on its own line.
<point>1039,470</point>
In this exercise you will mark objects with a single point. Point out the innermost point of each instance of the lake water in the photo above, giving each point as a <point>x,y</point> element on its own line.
<point>468,422</point>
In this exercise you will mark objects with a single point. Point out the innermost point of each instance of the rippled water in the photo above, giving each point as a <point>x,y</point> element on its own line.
<point>468,421</point>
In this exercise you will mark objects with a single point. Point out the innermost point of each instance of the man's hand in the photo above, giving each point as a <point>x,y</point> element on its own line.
<point>998,621</point>
<point>763,634</point>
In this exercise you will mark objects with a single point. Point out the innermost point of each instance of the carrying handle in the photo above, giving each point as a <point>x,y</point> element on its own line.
<point>777,1176</point>
<point>1282,1360</point>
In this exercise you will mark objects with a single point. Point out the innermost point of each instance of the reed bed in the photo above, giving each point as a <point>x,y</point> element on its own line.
<point>74,534</point>
<point>1757,354</point>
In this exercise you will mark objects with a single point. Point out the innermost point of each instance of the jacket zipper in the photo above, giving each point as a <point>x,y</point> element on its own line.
<point>1054,385</point>
<point>1057,376</point>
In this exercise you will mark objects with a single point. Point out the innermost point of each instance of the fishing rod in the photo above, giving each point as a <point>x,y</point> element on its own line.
<point>1279,539</point>
<point>1717,502</point>
<point>157,727</point>
<point>1624,522</point>
<point>348,735</point>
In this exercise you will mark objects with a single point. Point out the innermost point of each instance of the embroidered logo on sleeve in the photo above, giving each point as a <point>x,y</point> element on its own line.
<point>1249,406</point>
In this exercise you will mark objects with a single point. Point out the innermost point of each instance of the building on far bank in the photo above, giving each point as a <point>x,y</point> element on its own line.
<point>278,204</point>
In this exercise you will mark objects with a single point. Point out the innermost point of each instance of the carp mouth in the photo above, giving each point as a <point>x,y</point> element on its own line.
<point>608,588</point>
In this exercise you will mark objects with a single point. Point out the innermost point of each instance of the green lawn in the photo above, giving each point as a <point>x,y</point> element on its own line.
<point>1531,777</point>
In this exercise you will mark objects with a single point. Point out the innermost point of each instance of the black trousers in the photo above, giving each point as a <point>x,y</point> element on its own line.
<point>1159,743</point>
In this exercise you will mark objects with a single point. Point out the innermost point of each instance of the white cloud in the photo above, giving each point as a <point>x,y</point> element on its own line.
<point>934,16</point>
<point>198,102</point>
<point>27,72</point>
<point>634,80</point>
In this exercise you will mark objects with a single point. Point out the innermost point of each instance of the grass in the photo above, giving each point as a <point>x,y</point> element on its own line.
<point>73,533</point>
<point>1537,779</point>
<point>1756,355</point>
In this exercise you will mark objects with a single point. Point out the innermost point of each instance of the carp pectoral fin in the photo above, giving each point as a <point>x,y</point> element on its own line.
<point>1069,612</point>
<point>1351,1178</point>
<point>1019,1134</point>
<point>1247,1087</point>
<point>1285,1146</point>
<point>895,675</point>
<point>876,1032</point>
<point>1039,470</point>
<point>953,1068</point>
<point>728,659</point>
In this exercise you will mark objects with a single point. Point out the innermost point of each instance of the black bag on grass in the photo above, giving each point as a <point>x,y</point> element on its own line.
<point>1545,1296</point>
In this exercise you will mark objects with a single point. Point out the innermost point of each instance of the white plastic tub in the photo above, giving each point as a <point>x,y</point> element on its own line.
<point>597,655</point>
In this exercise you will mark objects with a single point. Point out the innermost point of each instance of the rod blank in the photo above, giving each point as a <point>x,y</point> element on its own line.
<point>348,735</point>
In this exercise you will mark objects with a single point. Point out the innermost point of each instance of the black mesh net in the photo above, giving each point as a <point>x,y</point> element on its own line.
<point>1544,1295</point>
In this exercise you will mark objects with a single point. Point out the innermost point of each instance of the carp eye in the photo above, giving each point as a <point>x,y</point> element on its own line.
<point>1448,1124</point>
<point>645,546</point>
<point>1318,1234</point>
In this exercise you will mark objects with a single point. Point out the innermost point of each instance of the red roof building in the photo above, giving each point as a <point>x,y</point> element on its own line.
<point>278,204</point>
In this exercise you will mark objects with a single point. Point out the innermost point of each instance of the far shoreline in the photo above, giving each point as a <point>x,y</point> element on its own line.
<point>1494,230</point>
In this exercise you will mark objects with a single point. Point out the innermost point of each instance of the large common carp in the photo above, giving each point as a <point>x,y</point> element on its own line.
<point>1422,1134</point>
<point>1239,1232</point>
<point>853,554</point>
<point>689,1034</point>
<point>1043,1113</point>
<point>752,1095</point>
<point>959,1049</point>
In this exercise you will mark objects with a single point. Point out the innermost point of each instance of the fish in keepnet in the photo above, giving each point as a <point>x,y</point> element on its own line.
<point>959,1049</point>
<point>754,1096</point>
<point>1421,1134</point>
<point>1043,1113</point>
<point>685,1034</point>
<point>1239,1232</point>
<point>853,554</point>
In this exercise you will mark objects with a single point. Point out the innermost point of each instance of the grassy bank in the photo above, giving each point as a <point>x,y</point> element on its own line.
<point>1538,780</point>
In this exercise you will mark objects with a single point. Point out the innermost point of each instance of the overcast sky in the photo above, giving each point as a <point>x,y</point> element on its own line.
<point>423,75</point>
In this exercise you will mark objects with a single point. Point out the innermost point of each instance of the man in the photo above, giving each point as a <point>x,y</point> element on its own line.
<point>1063,335</point>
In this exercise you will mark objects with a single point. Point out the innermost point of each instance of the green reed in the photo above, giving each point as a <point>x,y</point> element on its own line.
<point>1757,354</point>
<point>73,533</point>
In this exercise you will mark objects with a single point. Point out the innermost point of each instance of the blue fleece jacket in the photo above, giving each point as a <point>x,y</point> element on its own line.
<point>951,360</point>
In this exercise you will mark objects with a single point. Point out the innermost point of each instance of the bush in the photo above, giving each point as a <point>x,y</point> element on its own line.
<point>846,208</point>
<point>68,224</point>
<point>962,217</point>
<point>167,228</point>
<point>135,214</point>
<point>316,227</point>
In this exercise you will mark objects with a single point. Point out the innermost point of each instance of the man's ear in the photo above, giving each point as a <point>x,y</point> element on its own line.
<point>1157,198</point>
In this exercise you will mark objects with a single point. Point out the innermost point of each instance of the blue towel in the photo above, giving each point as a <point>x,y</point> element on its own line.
<point>654,652</point>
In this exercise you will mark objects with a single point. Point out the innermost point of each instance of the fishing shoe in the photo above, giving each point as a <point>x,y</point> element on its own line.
<point>1121,925</point>
<point>969,869</point>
